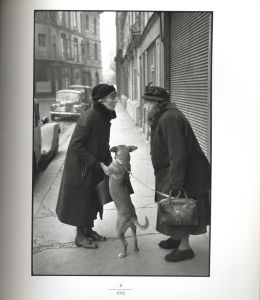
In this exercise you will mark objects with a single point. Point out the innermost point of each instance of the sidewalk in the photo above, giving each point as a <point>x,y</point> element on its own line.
<point>54,251</point>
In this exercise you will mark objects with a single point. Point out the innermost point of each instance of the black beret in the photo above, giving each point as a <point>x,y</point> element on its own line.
<point>155,93</point>
<point>101,90</point>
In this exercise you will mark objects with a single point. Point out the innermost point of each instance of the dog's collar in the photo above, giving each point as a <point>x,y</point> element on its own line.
<point>120,161</point>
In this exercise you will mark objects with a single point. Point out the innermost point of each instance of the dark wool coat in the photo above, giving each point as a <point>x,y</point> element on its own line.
<point>78,201</point>
<point>179,161</point>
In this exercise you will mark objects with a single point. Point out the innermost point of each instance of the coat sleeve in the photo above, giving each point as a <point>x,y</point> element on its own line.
<point>80,138</point>
<point>108,158</point>
<point>173,134</point>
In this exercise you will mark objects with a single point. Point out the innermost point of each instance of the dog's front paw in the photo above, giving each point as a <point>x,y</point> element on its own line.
<point>104,167</point>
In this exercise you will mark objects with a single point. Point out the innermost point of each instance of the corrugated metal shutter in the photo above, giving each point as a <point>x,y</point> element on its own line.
<point>190,63</point>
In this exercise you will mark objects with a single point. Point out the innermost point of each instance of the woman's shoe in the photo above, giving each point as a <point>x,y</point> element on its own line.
<point>170,243</point>
<point>179,255</point>
<point>85,243</point>
<point>94,236</point>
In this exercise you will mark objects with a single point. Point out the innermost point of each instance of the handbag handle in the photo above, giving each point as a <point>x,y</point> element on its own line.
<point>179,193</point>
<point>188,201</point>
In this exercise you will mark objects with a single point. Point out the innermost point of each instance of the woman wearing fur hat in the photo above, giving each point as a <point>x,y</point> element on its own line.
<point>179,164</point>
<point>78,202</point>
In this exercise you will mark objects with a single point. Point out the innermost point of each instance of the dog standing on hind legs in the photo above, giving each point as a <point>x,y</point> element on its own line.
<point>119,191</point>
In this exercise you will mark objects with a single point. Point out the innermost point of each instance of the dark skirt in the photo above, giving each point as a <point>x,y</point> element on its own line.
<point>162,184</point>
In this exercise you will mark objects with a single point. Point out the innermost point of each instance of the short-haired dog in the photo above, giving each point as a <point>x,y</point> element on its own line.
<point>119,184</point>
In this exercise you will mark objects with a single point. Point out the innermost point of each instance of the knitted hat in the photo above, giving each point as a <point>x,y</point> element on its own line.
<point>101,91</point>
<point>155,93</point>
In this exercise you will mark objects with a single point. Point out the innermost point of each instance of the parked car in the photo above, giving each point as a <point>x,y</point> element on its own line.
<point>72,102</point>
<point>45,138</point>
<point>85,89</point>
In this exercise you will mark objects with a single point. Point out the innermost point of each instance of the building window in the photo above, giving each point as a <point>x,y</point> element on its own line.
<point>88,50</point>
<point>76,50</point>
<point>82,46</point>
<point>97,78</point>
<point>42,75</point>
<point>135,83</point>
<point>74,18</point>
<point>89,77</point>
<point>64,46</point>
<point>53,16</point>
<point>65,77</point>
<point>42,40</point>
<point>76,76</point>
<point>95,26</point>
<point>62,19</point>
<point>142,20</point>
<point>54,46</point>
<point>87,22</point>
<point>151,64</point>
<point>66,16</point>
<point>96,52</point>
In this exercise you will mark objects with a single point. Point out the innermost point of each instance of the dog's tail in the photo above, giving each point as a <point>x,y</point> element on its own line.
<point>145,226</point>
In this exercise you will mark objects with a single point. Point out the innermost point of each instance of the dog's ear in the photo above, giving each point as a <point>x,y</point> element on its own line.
<point>113,149</point>
<point>132,148</point>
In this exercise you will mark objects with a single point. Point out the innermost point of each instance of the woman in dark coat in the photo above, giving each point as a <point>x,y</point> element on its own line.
<point>78,202</point>
<point>179,164</point>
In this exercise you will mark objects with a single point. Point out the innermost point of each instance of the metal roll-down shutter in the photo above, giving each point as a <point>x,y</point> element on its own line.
<point>190,70</point>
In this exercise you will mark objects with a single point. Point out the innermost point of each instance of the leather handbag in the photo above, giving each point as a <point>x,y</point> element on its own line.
<point>103,191</point>
<point>176,211</point>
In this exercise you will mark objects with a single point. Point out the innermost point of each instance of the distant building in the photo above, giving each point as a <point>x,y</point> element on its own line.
<point>67,50</point>
<point>171,49</point>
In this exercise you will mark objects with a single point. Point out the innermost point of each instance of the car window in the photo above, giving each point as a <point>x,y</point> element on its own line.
<point>67,97</point>
<point>79,89</point>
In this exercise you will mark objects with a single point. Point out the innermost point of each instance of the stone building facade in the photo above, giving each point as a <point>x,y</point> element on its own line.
<point>67,50</point>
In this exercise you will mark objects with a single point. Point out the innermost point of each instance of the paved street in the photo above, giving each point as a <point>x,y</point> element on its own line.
<point>54,251</point>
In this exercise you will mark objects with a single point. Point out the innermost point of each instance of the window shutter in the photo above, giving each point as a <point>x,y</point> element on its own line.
<point>190,70</point>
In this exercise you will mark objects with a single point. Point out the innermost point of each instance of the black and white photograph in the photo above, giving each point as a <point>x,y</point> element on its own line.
<point>129,151</point>
<point>143,92</point>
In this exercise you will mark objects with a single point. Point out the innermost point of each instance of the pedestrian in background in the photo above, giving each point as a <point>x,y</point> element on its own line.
<point>78,203</point>
<point>179,164</point>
